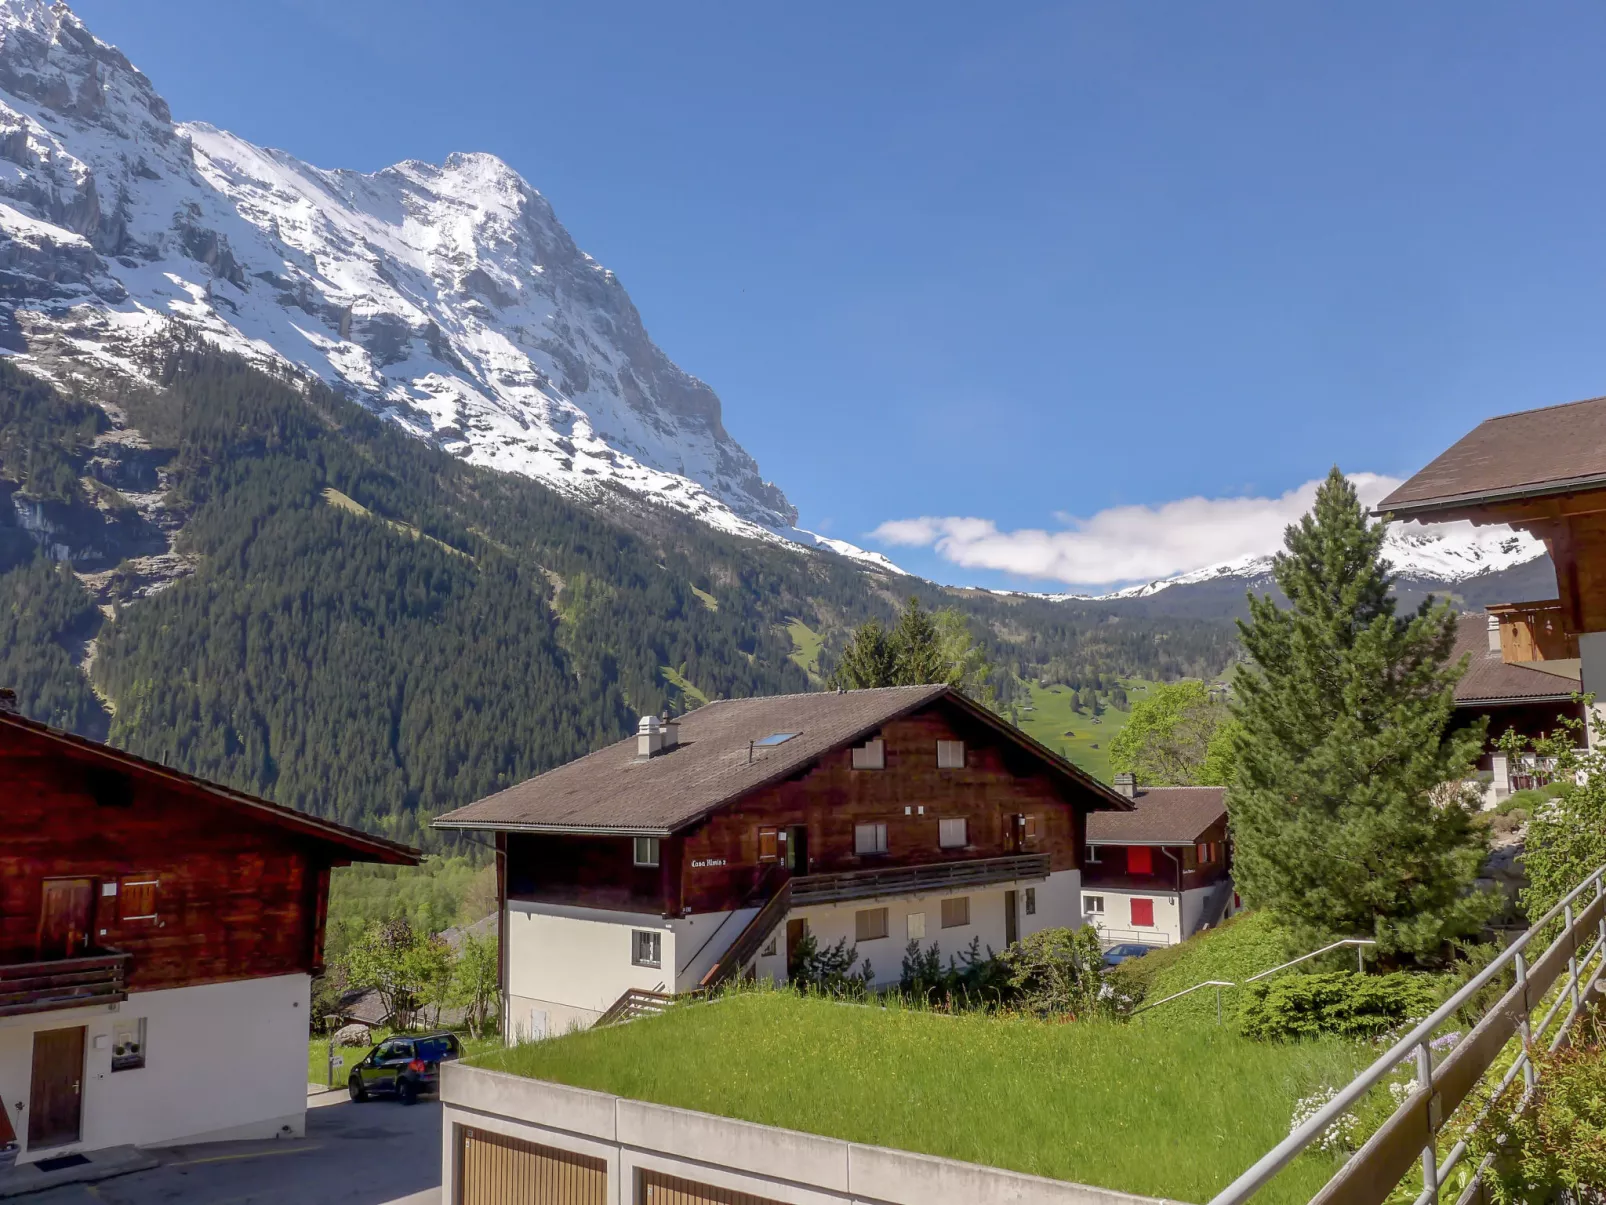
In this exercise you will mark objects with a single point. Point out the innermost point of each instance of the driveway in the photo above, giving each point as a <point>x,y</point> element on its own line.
<point>368,1154</point>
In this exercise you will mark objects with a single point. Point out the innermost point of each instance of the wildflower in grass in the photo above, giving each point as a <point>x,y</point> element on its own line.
<point>1338,1138</point>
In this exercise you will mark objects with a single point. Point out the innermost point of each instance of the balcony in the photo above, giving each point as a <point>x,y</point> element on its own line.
<point>40,987</point>
<point>911,880</point>
<point>1533,631</point>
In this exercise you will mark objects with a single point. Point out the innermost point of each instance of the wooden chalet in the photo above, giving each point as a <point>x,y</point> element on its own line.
<point>1161,872</point>
<point>1543,471</point>
<point>158,934</point>
<point>709,847</point>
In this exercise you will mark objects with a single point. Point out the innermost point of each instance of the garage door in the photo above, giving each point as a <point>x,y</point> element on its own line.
<point>494,1169</point>
<point>658,1189</point>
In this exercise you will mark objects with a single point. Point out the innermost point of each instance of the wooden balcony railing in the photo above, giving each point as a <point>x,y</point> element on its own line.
<point>905,880</point>
<point>38,987</point>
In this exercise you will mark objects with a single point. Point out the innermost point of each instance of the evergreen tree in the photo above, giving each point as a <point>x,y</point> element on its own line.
<point>917,645</point>
<point>868,661</point>
<point>1343,821</point>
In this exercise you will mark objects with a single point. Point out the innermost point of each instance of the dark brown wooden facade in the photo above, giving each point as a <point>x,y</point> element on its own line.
<point>100,851</point>
<point>1011,800</point>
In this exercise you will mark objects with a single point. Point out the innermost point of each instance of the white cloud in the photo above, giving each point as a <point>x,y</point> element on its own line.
<point>1125,543</point>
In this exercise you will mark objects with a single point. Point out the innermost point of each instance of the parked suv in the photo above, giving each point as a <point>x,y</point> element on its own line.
<point>403,1067</point>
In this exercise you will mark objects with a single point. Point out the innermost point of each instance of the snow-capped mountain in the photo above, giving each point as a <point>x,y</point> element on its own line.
<point>1431,553</point>
<point>447,297</point>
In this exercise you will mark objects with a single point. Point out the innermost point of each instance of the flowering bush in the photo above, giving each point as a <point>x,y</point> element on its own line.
<point>1339,1138</point>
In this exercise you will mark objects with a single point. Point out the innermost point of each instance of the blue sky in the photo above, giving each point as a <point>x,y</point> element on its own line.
<point>1017,263</point>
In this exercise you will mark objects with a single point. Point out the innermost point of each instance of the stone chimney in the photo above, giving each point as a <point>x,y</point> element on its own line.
<point>8,701</point>
<point>1126,784</point>
<point>649,738</point>
<point>671,730</point>
<point>1494,633</point>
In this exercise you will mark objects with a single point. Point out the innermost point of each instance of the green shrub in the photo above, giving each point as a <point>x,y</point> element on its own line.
<point>971,980</point>
<point>1344,1003</point>
<point>1058,971</point>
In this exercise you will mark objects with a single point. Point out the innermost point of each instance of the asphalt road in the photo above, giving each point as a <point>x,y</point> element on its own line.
<point>368,1154</point>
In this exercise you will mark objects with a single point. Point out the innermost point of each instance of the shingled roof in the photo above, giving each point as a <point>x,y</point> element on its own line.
<point>717,761</point>
<point>1530,454</point>
<point>1491,680</point>
<point>1162,816</point>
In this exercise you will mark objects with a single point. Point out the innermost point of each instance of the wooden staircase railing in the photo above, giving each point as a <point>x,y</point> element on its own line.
<point>751,939</point>
<point>636,1002</point>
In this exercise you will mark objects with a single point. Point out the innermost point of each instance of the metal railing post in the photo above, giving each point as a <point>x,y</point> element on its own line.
<point>1572,959</point>
<point>1218,1005</point>
<point>1430,1157</point>
<point>1360,960</point>
<point>1525,1026</point>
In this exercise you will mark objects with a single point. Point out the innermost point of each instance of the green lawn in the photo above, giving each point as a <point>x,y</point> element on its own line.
<point>806,644</point>
<point>683,684</point>
<point>709,600</point>
<point>1088,745</point>
<point>1175,1112</point>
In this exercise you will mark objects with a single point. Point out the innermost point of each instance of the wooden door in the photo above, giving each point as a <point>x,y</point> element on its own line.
<point>493,1169</point>
<point>659,1189</point>
<point>1011,917</point>
<point>56,1092</point>
<point>796,929</point>
<point>65,917</point>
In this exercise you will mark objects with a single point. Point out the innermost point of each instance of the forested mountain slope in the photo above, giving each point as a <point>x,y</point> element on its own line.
<point>356,623</point>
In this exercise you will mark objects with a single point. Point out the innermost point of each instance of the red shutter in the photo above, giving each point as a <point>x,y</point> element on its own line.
<point>1143,913</point>
<point>1139,859</point>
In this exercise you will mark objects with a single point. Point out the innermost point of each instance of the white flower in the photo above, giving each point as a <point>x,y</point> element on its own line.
<point>1340,1136</point>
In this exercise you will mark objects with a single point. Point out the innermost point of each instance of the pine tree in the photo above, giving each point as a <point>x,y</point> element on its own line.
<point>868,661</point>
<point>917,643</point>
<point>1343,820</point>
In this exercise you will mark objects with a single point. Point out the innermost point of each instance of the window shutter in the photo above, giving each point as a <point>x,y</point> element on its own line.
<point>768,845</point>
<point>950,755</point>
<point>872,755</point>
<point>137,899</point>
<point>956,912</point>
<point>1139,859</point>
<point>951,834</point>
<point>1142,914</point>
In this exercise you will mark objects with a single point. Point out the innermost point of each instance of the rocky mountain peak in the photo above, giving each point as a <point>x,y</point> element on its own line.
<point>448,297</point>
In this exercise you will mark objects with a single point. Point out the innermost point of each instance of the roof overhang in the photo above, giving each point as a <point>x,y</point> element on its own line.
<point>1155,842</point>
<point>568,830</point>
<point>362,847</point>
<point>1511,700</point>
<point>1449,505</point>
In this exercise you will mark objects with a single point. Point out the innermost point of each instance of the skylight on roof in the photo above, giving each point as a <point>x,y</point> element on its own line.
<point>778,738</point>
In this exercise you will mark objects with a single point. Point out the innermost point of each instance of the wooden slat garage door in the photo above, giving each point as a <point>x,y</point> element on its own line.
<point>658,1189</point>
<point>494,1169</point>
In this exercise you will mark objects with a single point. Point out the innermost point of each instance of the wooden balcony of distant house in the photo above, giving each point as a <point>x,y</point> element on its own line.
<point>913,880</point>
<point>46,985</point>
<point>1534,631</point>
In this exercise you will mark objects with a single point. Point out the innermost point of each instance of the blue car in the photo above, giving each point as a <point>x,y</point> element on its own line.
<point>1116,955</point>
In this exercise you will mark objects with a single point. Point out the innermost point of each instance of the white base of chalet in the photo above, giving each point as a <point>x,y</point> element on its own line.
<point>223,1061</point>
<point>567,965</point>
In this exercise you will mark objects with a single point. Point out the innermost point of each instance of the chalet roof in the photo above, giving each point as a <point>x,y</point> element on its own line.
<point>1490,680</point>
<point>1161,816</point>
<point>1533,453</point>
<point>717,761</point>
<point>354,845</point>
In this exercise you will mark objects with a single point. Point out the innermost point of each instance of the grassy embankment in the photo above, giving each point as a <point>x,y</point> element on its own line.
<point>1167,1111</point>
<point>1083,738</point>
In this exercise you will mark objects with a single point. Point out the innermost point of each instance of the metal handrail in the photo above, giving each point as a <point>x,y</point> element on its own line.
<point>1358,942</point>
<point>1415,1044</point>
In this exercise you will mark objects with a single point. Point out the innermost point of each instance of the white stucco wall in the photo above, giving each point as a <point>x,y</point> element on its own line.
<point>223,1061</point>
<point>1059,903</point>
<point>577,961</point>
<point>1116,923</point>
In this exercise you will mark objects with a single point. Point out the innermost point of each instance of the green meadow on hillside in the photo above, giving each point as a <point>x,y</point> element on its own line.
<point>1166,1112</point>
<point>1051,717</point>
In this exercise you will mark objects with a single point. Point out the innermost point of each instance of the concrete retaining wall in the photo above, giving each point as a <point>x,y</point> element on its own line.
<point>781,1165</point>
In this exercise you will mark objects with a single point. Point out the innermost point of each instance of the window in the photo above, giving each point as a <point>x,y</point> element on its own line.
<point>769,949</point>
<point>138,899</point>
<point>872,755</point>
<point>1142,914</point>
<point>1031,901</point>
<point>128,1044</point>
<point>917,926</point>
<point>869,924</point>
<point>951,834</point>
<point>1093,854</point>
<point>1093,905</point>
<point>956,912</point>
<point>646,851</point>
<point>1030,832</point>
<point>1206,852</point>
<point>950,755</point>
<point>769,845</point>
<point>646,948</point>
<point>1139,859</point>
<point>869,838</point>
